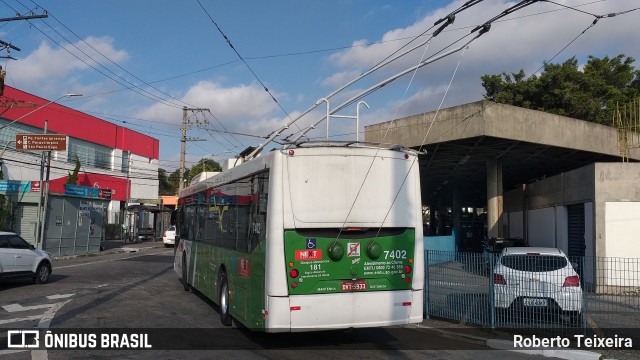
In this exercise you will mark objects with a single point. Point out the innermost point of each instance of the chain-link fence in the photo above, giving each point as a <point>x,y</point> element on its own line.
<point>541,292</point>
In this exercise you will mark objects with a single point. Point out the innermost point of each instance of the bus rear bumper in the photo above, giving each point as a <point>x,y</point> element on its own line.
<point>344,310</point>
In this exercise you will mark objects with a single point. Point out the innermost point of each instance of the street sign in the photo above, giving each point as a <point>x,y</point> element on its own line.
<point>41,142</point>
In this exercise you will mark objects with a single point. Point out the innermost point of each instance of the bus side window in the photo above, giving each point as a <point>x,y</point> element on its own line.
<point>243,213</point>
<point>258,211</point>
<point>228,217</point>
<point>200,225</point>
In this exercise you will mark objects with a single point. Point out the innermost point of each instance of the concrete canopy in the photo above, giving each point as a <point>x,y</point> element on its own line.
<point>528,144</point>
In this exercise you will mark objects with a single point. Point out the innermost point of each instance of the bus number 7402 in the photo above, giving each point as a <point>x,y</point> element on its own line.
<point>395,254</point>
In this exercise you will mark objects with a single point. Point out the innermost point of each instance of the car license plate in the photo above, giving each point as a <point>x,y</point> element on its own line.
<point>357,285</point>
<point>535,302</point>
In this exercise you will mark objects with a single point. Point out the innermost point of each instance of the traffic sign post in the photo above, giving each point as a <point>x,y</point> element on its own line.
<point>41,142</point>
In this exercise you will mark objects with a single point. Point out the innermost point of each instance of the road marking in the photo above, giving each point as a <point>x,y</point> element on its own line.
<point>39,355</point>
<point>59,296</point>
<point>17,307</point>
<point>46,318</point>
<point>103,285</point>
<point>28,318</point>
<point>7,352</point>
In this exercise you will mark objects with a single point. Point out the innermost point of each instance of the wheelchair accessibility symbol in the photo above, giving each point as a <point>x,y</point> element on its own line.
<point>311,243</point>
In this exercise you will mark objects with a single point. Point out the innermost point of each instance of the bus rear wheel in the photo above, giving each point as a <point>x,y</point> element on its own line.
<point>225,317</point>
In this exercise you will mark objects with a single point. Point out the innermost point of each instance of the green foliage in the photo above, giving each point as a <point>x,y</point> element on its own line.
<point>169,183</point>
<point>204,165</point>
<point>4,212</point>
<point>73,178</point>
<point>165,186</point>
<point>590,93</point>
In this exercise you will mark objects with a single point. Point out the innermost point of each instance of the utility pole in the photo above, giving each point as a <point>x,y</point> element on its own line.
<point>183,142</point>
<point>39,226</point>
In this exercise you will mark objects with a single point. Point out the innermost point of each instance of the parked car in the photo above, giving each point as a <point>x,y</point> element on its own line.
<point>20,260</point>
<point>536,279</point>
<point>492,248</point>
<point>169,237</point>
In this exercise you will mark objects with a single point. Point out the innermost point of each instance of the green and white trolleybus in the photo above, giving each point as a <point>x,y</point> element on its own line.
<point>314,236</point>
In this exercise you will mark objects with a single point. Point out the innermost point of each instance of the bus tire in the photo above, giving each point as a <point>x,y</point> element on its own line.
<point>225,317</point>
<point>185,284</point>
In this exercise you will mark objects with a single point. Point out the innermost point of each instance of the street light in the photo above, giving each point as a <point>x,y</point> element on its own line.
<point>39,108</point>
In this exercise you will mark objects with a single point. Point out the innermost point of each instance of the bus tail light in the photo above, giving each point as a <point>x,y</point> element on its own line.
<point>407,269</point>
<point>406,303</point>
<point>293,273</point>
<point>407,280</point>
<point>294,308</point>
<point>498,279</point>
<point>294,284</point>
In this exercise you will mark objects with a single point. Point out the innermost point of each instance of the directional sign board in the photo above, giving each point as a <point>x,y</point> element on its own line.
<point>41,142</point>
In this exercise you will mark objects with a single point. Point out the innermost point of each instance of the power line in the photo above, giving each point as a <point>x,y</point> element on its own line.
<point>242,59</point>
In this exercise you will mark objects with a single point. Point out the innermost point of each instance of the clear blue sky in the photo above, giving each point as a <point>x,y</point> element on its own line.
<point>138,62</point>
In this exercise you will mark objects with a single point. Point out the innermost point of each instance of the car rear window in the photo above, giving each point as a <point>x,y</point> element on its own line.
<point>534,263</point>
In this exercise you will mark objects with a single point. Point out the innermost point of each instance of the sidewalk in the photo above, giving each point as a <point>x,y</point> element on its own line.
<point>111,246</point>
<point>503,340</point>
<point>118,246</point>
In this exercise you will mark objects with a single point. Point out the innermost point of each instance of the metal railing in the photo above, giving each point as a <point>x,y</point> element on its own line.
<point>535,294</point>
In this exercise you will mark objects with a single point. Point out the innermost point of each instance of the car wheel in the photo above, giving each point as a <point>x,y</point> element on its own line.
<point>225,317</point>
<point>42,273</point>
<point>185,284</point>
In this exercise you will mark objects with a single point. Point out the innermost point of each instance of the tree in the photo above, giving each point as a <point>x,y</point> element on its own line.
<point>204,165</point>
<point>73,178</point>
<point>590,93</point>
<point>165,186</point>
<point>174,179</point>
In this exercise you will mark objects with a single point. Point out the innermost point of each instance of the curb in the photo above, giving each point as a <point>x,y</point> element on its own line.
<point>569,354</point>
<point>107,252</point>
<point>507,345</point>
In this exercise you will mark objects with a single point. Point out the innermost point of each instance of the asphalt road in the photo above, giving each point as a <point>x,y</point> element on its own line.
<point>139,292</point>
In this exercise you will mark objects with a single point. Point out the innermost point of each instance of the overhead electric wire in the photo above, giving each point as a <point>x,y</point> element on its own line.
<point>113,62</point>
<point>133,86</point>
<point>223,127</point>
<point>241,58</point>
<point>394,56</point>
<point>483,29</point>
<point>120,81</point>
<point>595,21</point>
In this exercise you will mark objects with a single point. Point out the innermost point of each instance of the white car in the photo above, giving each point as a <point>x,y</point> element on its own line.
<point>537,279</point>
<point>169,237</point>
<point>20,260</point>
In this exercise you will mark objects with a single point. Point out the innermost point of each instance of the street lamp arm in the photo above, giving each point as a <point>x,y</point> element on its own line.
<point>38,108</point>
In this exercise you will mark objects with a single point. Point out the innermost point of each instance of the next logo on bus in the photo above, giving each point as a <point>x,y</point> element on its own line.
<point>309,254</point>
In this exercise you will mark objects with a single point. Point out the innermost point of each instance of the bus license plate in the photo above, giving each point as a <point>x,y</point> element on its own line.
<point>357,285</point>
<point>535,302</point>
